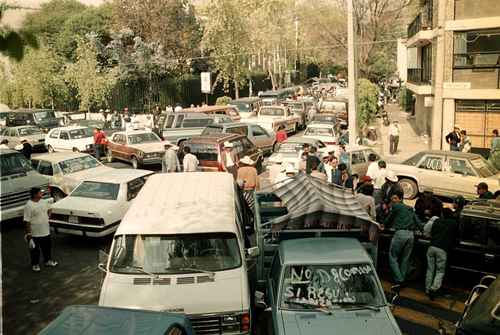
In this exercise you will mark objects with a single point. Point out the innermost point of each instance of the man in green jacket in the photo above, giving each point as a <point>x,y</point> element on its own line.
<point>404,221</point>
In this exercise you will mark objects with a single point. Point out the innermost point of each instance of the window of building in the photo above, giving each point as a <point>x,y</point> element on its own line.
<point>479,118</point>
<point>477,49</point>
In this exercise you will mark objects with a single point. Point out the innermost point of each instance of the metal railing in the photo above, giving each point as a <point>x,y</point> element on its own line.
<point>419,76</point>
<point>423,20</point>
<point>415,26</point>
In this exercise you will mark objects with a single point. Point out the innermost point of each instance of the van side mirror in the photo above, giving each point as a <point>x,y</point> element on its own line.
<point>253,252</point>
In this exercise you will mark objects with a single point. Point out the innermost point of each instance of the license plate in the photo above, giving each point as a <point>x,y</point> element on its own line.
<point>73,219</point>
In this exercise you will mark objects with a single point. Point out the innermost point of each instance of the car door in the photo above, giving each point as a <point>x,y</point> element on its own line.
<point>469,252</point>
<point>64,142</point>
<point>430,173</point>
<point>358,162</point>
<point>463,178</point>
<point>119,146</point>
<point>260,137</point>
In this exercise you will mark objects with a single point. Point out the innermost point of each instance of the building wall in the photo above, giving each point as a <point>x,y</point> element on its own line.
<point>423,116</point>
<point>471,9</point>
<point>402,59</point>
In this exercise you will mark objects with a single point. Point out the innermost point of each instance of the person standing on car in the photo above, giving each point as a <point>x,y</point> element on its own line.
<point>443,234</point>
<point>453,139</point>
<point>190,162</point>
<point>404,221</point>
<point>170,161</point>
<point>394,137</point>
<point>230,159</point>
<point>36,220</point>
<point>99,142</point>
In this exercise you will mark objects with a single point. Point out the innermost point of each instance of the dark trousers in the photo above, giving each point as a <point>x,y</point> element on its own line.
<point>45,245</point>
<point>393,144</point>
<point>233,170</point>
<point>99,151</point>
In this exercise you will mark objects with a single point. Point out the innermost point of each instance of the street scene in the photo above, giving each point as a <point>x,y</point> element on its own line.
<point>250,167</point>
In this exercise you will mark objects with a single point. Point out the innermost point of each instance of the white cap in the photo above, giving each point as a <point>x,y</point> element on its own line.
<point>247,160</point>
<point>228,144</point>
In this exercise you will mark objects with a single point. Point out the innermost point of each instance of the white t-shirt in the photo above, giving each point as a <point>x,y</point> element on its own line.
<point>394,130</point>
<point>372,170</point>
<point>379,179</point>
<point>229,159</point>
<point>36,214</point>
<point>190,163</point>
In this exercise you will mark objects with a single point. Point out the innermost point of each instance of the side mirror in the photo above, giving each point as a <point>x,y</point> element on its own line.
<point>102,267</point>
<point>260,300</point>
<point>253,252</point>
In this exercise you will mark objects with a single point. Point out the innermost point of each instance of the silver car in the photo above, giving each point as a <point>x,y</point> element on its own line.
<point>32,134</point>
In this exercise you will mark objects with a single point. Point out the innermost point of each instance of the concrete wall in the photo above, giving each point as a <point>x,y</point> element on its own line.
<point>470,9</point>
<point>423,116</point>
<point>487,78</point>
<point>402,59</point>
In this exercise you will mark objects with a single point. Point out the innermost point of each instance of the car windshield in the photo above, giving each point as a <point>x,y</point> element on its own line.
<point>143,138</point>
<point>13,163</point>
<point>290,147</point>
<point>272,111</point>
<point>413,161</point>
<point>26,131</point>
<point>485,168</point>
<point>96,190</point>
<point>324,118</point>
<point>316,131</point>
<point>333,106</point>
<point>44,115</point>
<point>330,286</point>
<point>175,254</point>
<point>81,133</point>
<point>78,164</point>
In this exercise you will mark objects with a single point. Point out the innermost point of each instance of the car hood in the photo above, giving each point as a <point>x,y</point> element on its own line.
<point>149,147</point>
<point>340,322</point>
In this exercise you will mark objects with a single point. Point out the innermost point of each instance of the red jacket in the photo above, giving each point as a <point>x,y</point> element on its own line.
<point>99,138</point>
<point>281,136</point>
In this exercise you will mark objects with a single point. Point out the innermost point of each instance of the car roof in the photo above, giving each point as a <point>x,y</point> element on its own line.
<point>23,126</point>
<point>134,132</point>
<point>214,138</point>
<point>320,125</point>
<point>31,110</point>
<point>189,115</point>
<point>228,125</point>
<point>118,176</point>
<point>300,139</point>
<point>70,128</point>
<point>55,157</point>
<point>324,250</point>
<point>212,108</point>
<point>457,154</point>
<point>275,106</point>
<point>245,100</point>
<point>186,205</point>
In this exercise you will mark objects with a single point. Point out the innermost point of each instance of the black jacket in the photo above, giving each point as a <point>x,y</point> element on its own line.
<point>26,150</point>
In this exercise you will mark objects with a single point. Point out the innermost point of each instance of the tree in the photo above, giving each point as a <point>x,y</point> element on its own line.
<point>93,81</point>
<point>367,102</point>
<point>226,38</point>
<point>13,43</point>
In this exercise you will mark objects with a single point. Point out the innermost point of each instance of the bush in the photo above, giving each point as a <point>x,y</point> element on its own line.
<point>225,100</point>
<point>367,102</point>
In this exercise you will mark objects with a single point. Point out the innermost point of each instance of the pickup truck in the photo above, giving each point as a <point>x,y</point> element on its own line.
<point>272,117</point>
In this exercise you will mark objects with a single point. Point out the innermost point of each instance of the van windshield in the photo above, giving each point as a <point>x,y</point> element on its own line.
<point>14,163</point>
<point>175,254</point>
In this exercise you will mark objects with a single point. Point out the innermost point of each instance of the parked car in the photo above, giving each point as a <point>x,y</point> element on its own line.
<point>45,119</point>
<point>139,147</point>
<point>97,205</point>
<point>169,255</point>
<point>209,148</point>
<point>227,110</point>
<point>325,118</point>
<point>448,173</point>
<point>247,107</point>
<point>358,158</point>
<point>32,134</point>
<point>17,178</point>
<point>324,132</point>
<point>289,150</point>
<point>336,105</point>
<point>299,109</point>
<point>71,138</point>
<point>263,139</point>
<point>66,170</point>
<point>98,320</point>
<point>272,117</point>
<point>319,284</point>
<point>178,127</point>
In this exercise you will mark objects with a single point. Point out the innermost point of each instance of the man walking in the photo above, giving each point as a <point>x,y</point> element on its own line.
<point>36,220</point>
<point>230,159</point>
<point>190,162</point>
<point>394,137</point>
<point>170,161</point>
<point>99,142</point>
<point>404,221</point>
<point>453,139</point>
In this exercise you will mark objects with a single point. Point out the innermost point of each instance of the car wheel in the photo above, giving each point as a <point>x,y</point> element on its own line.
<point>76,150</point>
<point>135,162</point>
<point>410,188</point>
<point>58,195</point>
<point>109,156</point>
<point>49,148</point>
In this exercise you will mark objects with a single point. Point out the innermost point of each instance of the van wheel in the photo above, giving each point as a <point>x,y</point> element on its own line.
<point>109,156</point>
<point>49,148</point>
<point>410,188</point>
<point>135,162</point>
<point>58,195</point>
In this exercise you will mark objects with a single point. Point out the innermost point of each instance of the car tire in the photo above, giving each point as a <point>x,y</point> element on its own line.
<point>109,156</point>
<point>134,162</point>
<point>50,149</point>
<point>75,150</point>
<point>410,188</point>
<point>57,194</point>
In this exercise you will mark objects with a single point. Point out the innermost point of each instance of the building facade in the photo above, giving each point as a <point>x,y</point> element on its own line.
<point>454,69</point>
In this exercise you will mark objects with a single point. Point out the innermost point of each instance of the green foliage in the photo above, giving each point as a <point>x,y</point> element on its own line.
<point>367,102</point>
<point>405,99</point>
<point>13,43</point>
<point>225,100</point>
<point>312,70</point>
<point>381,66</point>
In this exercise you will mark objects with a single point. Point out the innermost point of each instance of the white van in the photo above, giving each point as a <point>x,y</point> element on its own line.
<point>180,248</point>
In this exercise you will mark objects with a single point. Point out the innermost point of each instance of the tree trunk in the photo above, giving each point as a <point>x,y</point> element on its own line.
<point>236,89</point>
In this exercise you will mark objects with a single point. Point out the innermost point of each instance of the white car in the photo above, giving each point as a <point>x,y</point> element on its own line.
<point>325,132</point>
<point>66,170</point>
<point>97,205</point>
<point>32,134</point>
<point>448,173</point>
<point>72,138</point>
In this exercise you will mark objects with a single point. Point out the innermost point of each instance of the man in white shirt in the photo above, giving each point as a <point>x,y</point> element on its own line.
<point>394,137</point>
<point>379,180</point>
<point>190,162</point>
<point>373,167</point>
<point>36,219</point>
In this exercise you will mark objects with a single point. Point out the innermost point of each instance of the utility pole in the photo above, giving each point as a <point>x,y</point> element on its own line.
<point>296,19</point>
<point>351,74</point>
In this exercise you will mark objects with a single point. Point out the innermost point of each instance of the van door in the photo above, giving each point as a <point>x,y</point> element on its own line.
<point>469,253</point>
<point>63,143</point>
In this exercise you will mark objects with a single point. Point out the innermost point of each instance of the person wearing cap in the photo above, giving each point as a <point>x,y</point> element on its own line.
<point>230,159</point>
<point>453,139</point>
<point>394,137</point>
<point>248,179</point>
<point>364,181</point>
<point>99,142</point>
<point>26,148</point>
<point>427,205</point>
<point>4,144</point>
<point>483,192</point>
<point>170,162</point>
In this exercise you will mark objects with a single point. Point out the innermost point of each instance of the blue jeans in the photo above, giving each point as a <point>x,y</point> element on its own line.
<point>399,254</point>
<point>436,266</point>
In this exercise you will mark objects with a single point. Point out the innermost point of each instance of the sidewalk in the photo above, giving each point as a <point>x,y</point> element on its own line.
<point>409,141</point>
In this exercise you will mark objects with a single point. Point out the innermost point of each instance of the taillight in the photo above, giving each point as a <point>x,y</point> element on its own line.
<point>245,322</point>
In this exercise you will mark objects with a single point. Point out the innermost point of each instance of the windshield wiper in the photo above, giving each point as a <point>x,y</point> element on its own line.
<point>358,306</point>
<point>313,306</point>
<point>211,273</point>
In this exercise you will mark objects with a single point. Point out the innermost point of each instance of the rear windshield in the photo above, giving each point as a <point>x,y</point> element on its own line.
<point>96,190</point>
<point>212,130</point>
<point>191,123</point>
<point>204,152</point>
<point>29,131</point>
<point>13,163</point>
<point>272,111</point>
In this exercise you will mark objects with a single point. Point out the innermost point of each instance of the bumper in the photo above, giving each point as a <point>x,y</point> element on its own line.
<point>83,230</point>
<point>151,161</point>
<point>12,213</point>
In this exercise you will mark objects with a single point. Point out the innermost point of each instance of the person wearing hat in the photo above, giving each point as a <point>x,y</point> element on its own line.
<point>394,137</point>
<point>248,179</point>
<point>364,181</point>
<point>453,139</point>
<point>99,142</point>
<point>390,187</point>
<point>230,159</point>
<point>170,162</point>
<point>483,192</point>
<point>25,148</point>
